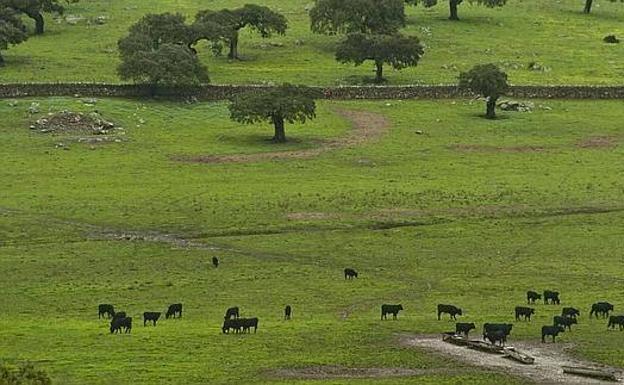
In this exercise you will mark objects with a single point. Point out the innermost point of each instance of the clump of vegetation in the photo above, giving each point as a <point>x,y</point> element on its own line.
<point>396,50</point>
<point>12,30</point>
<point>488,81</point>
<point>157,52</point>
<point>24,374</point>
<point>224,26</point>
<point>287,103</point>
<point>365,16</point>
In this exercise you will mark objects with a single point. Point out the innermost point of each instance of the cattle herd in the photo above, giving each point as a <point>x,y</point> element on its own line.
<point>120,322</point>
<point>496,333</point>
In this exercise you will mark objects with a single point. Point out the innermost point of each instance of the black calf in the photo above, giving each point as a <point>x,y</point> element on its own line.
<point>570,312</point>
<point>551,331</point>
<point>533,296</point>
<point>551,297</point>
<point>350,273</point>
<point>174,309</point>
<point>602,308</point>
<point>616,320</point>
<point>121,323</point>
<point>150,316</point>
<point>106,310</point>
<point>564,321</point>
<point>390,309</point>
<point>464,328</point>
<point>287,312</point>
<point>449,309</point>
<point>525,312</point>
<point>215,261</point>
<point>232,313</point>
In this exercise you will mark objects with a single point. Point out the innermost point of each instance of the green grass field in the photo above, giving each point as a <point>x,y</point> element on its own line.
<point>470,212</point>
<point>554,34</point>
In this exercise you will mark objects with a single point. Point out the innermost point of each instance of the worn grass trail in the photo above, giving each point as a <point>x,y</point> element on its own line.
<point>565,43</point>
<point>465,212</point>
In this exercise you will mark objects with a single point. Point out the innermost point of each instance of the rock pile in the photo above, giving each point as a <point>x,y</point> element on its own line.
<point>511,105</point>
<point>67,121</point>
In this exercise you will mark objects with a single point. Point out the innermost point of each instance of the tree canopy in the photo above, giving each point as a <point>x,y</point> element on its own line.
<point>156,52</point>
<point>589,3</point>
<point>286,103</point>
<point>454,3</point>
<point>12,30</point>
<point>224,25</point>
<point>488,81</point>
<point>396,50</point>
<point>348,16</point>
<point>35,8</point>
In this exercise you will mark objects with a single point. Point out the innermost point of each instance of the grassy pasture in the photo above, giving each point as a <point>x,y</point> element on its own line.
<point>471,212</point>
<point>554,34</point>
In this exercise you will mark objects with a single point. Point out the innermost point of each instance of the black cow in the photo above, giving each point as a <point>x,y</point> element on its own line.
<point>248,323</point>
<point>232,324</point>
<point>570,312</point>
<point>602,308</point>
<point>533,296</point>
<point>449,309</point>
<point>616,320</point>
<point>496,336</point>
<point>174,309</point>
<point>488,328</point>
<point>525,312</point>
<point>464,328</point>
<point>232,313</point>
<point>215,262</point>
<point>551,297</point>
<point>350,273</point>
<point>566,322</point>
<point>118,323</point>
<point>287,312</point>
<point>119,314</point>
<point>390,309</point>
<point>150,316</point>
<point>106,310</point>
<point>551,331</point>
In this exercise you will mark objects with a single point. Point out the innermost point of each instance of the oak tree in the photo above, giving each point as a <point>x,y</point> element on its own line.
<point>331,17</point>
<point>12,30</point>
<point>488,81</point>
<point>453,4</point>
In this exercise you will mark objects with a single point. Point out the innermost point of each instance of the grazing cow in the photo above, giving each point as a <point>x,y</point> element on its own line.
<point>350,273</point>
<point>551,297</point>
<point>496,336</point>
<point>118,323</point>
<point>287,312</point>
<point>489,328</point>
<point>464,328</point>
<point>566,322</point>
<point>551,331</point>
<point>533,296</point>
<point>215,262</point>
<point>232,324</point>
<point>106,310</point>
<point>150,316</point>
<point>232,313</point>
<point>616,320</point>
<point>390,309</point>
<point>570,312</point>
<point>525,312</point>
<point>174,309</point>
<point>248,323</point>
<point>602,308</point>
<point>449,309</point>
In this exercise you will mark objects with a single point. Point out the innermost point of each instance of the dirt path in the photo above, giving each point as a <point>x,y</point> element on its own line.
<point>337,372</point>
<point>549,358</point>
<point>366,127</point>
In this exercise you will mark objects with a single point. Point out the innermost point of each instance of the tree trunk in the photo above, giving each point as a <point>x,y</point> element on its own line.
<point>453,6</point>
<point>1,60</point>
<point>491,108</point>
<point>39,22</point>
<point>588,5</point>
<point>280,134</point>
<point>233,46</point>
<point>379,72</point>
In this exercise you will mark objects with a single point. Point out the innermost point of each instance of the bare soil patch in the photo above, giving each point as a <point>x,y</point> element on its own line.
<point>366,127</point>
<point>605,142</point>
<point>337,372</point>
<point>498,149</point>
<point>307,216</point>
<point>549,359</point>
